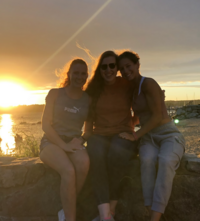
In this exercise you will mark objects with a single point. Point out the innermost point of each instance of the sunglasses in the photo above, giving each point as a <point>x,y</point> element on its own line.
<point>105,66</point>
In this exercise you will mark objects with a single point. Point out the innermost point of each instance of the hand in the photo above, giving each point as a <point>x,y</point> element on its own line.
<point>74,145</point>
<point>127,136</point>
<point>82,140</point>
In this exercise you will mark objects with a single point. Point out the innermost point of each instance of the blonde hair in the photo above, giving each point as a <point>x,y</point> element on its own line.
<point>64,79</point>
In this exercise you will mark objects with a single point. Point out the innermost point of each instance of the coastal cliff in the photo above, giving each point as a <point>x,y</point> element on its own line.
<point>29,191</point>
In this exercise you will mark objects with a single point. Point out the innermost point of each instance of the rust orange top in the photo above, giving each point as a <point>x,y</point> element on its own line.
<point>113,109</point>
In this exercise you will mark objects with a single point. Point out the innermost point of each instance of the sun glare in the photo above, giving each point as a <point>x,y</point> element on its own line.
<point>11,94</point>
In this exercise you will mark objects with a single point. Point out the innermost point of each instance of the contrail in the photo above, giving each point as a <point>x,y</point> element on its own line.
<point>73,36</point>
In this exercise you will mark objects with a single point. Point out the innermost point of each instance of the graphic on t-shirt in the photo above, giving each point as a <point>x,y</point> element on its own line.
<point>72,110</point>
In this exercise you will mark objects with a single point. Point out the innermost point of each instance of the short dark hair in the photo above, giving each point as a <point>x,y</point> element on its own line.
<point>133,56</point>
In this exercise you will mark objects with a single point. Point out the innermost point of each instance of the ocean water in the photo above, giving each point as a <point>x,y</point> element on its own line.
<point>28,124</point>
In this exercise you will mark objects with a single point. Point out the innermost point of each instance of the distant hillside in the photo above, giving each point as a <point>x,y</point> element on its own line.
<point>181,103</point>
<point>23,108</point>
<point>40,107</point>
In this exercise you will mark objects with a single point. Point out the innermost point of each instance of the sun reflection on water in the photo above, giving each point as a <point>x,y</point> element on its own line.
<point>6,134</point>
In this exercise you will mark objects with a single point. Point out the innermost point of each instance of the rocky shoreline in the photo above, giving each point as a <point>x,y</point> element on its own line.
<point>186,112</point>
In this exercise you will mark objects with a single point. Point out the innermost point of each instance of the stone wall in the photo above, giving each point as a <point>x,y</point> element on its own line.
<point>186,112</point>
<point>29,191</point>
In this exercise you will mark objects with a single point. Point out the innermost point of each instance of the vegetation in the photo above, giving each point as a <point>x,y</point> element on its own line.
<point>28,146</point>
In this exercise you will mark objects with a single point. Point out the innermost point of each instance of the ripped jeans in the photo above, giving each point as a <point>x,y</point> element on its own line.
<point>162,147</point>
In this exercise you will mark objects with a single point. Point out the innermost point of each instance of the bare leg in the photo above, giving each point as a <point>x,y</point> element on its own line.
<point>81,162</point>
<point>155,216</point>
<point>148,211</point>
<point>57,159</point>
<point>113,204</point>
<point>104,210</point>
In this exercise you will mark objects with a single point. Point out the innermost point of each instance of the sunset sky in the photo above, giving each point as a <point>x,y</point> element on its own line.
<point>38,37</point>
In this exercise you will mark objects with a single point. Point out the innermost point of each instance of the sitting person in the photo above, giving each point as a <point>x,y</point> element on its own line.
<point>160,141</point>
<point>109,154</point>
<point>62,147</point>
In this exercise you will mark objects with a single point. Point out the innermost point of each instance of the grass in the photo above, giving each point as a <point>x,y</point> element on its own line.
<point>26,147</point>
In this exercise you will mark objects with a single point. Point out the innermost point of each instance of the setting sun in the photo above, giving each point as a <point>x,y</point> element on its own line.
<point>11,94</point>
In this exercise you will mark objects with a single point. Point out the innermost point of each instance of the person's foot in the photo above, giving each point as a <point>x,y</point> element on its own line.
<point>96,218</point>
<point>61,215</point>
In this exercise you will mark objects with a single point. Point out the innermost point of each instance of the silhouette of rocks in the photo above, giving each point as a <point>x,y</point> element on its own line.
<point>186,112</point>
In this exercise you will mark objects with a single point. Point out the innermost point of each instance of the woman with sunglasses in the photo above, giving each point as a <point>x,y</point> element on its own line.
<point>62,144</point>
<point>161,142</point>
<point>109,154</point>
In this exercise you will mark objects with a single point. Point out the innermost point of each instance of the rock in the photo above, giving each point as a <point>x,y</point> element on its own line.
<point>186,112</point>
<point>194,111</point>
<point>191,115</point>
<point>195,107</point>
<point>29,191</point>
<point>188,109</point>
<point>193,166</point>
<point>23,122</point>
<point>11,176</point>
<point>180,117</point>
<point>187,156</point>
<point>180,111</point>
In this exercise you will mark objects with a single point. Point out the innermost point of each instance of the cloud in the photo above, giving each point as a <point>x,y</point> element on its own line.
<point>164,33</point>
<point>195,84</point>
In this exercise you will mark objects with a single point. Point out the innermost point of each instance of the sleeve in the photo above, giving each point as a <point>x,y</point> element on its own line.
<point>52,95</point>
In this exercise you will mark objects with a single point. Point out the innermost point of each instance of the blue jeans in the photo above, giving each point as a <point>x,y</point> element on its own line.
<point>162,147</point>
<point>109,161</point>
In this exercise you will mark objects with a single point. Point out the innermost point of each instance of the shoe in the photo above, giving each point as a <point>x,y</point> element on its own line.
<point>111,219</point>
<point>96,218</point>
<point>61,215</point>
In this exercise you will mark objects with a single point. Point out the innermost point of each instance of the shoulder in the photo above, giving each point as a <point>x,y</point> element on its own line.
<point>52,94</point>
<point>149,84</point>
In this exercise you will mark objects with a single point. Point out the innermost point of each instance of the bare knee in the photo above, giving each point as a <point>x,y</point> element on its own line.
<point>67,173</point>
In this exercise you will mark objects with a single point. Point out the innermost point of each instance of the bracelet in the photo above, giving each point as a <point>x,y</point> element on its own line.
<point>135,135</point>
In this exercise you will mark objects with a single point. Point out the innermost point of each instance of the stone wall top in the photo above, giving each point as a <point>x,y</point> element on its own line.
<point>29,191</point>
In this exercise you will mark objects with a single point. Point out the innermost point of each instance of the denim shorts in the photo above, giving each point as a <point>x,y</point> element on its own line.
<point>45,141</point>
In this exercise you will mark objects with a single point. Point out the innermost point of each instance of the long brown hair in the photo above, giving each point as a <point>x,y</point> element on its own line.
<point>95,84</point>
<point>64,80</point>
